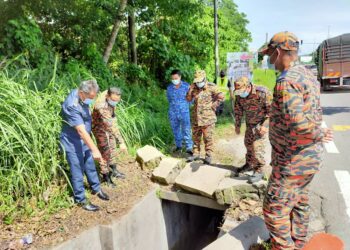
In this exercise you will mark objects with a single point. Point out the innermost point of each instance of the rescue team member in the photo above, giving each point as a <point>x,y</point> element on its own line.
<point>107,134</point>
<point>77,144</point>
<point>207,98</point>
<point>179,112</point>
<point>224,85</point>
<point>253,101</point>
<point>296,137</point>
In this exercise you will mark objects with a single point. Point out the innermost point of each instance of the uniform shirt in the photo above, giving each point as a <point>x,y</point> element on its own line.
<point>104,119</point>
<point>74,112</point>
<point>256,107</point>
<point>206,100</point>
<point>295,123</point>
<point>177,98</point>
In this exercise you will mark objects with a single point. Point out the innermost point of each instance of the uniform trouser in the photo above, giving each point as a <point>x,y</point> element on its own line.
<point>207,133</point>
<point>181,127</point>
<point>80,163</point>
<point>255,145</point>
<point>107,145</point>
<point>286,210</point>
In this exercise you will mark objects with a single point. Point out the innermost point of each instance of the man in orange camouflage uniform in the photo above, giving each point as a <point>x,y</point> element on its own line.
<point>296,137</point>
<point>253,101</point>
<point>107,134</point>
<point>207,98</point>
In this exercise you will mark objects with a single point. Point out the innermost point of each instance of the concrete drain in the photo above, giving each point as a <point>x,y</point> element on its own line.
<point>153,224</point>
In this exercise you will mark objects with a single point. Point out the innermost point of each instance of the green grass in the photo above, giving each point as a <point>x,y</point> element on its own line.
<point>265,78</point>
<point>33,173</point>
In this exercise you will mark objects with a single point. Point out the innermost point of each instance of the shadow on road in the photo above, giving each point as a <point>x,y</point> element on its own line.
<point>335,110</point>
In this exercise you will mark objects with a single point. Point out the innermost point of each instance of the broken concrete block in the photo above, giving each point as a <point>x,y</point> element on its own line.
<point>148,157</point>
<point>242,237</point>
<point>202,179</point>
<point>168,170</point>
<point>231,190</point>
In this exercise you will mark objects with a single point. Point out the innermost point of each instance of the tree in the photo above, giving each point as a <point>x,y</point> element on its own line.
<point>132,34</point>
<point>118,19</point>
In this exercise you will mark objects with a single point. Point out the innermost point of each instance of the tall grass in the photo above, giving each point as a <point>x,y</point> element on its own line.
<point>32,171</point>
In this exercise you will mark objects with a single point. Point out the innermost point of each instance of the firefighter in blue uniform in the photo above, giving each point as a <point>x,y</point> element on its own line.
<point>179,112</point>
<point>78,145</point>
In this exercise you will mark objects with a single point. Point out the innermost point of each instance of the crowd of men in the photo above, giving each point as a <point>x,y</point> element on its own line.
<point>291,117</point>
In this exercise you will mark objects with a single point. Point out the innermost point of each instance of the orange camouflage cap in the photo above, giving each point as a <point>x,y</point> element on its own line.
<point>199,76</point>
<point>241,85</point>
<point>284,40</point>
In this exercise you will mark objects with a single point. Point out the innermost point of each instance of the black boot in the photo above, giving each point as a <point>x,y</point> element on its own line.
<point>207,160</point>
<point>100,194</point>
<point>116,173</point>
<point>89,206</point>
<point>107,178</point>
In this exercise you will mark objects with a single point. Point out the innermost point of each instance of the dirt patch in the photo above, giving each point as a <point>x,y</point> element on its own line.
<point>68,223</point>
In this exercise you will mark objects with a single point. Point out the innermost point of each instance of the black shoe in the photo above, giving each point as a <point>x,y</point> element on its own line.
<point>189,152</point>
<point>245,168</point>
<point>192,158</point>
<point>101,195</point>
<point>116,173</point>
<point>107,178</point>
<point>207,160</point>
<point>89,207</point>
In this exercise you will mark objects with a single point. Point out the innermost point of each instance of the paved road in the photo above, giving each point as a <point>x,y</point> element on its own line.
<point>333,181</point>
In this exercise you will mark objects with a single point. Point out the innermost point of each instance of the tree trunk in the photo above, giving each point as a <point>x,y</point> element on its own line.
<point>132,37</point>
<point>115,30</point>
<point>216,39</point>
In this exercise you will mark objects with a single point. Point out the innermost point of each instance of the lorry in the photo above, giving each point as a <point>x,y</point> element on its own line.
<point>333,62</point>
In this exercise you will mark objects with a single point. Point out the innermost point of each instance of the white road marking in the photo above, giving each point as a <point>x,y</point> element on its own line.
<point>343,178</point>
<point>330,146</point>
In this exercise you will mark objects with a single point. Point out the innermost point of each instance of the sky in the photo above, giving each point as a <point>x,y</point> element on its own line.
<point>310,20</point>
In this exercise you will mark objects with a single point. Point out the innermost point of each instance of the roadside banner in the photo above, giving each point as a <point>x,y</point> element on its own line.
<point>240,64</point>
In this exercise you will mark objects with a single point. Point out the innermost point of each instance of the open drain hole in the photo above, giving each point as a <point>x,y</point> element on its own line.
<point>190,227</point>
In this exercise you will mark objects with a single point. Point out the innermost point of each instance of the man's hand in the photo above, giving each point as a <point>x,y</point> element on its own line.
<point>238,131</point>
<point>214,106</point>
<point>263,130</point>
<point>123,148</point>
<point>328,135</point>
<point>97,155</point>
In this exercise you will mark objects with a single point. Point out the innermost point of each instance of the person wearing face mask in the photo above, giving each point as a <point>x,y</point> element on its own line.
<point>296,137</point>
<point>253,101</point>
<point>76,142</point>
<point>107,134</point>
<point>179,112</point>
<point>206,97</point>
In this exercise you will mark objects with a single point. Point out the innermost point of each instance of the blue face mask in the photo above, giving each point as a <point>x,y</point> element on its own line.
<point>88,101</point>
<point>244,94</point>
<point>112,103</point>
<point>175,82</point>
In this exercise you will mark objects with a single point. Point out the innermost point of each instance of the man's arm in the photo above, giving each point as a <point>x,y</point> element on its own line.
<point>110,125</point>
<point>302,127</point>
<point>267,107</point>
<point>238,108</point>
<point>88,141</point>
<point>189,96</point>
<point>218,97</point>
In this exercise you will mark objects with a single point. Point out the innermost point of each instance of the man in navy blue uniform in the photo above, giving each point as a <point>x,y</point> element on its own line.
<point>179,111</point>
<point>78,145</point>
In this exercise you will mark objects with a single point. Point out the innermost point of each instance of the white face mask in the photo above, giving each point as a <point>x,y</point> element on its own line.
<point>200,84</point>
<point>176,82</point>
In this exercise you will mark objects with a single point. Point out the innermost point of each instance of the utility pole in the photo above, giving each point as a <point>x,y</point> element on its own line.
<point>216,39</point>
<point>267,38</point>
<point>329,31</point>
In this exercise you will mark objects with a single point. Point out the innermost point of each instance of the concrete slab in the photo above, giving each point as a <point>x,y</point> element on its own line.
<point>191,199</point>
<point>242,237</point>
<point>88,240</point>
<point>232,189</point>
<point>167,171</point>
<point>148,157</point>
<point>202,179</point>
